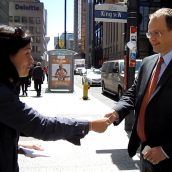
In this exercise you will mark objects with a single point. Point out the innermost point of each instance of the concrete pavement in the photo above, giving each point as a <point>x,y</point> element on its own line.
<point>98,152</point>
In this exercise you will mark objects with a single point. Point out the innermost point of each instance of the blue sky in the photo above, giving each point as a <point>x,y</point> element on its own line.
<point>55,18</point>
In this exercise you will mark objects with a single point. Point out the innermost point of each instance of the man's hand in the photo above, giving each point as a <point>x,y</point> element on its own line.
<point>113,115</point>
<point>154,155</point>
<point>99,125</point>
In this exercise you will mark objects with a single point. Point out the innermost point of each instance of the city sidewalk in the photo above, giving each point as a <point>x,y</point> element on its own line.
<point>98,152</point>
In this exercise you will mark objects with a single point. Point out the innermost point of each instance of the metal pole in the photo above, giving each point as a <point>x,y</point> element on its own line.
<point>93,42</point>
<point>65,24</point>
<point>133,11</point>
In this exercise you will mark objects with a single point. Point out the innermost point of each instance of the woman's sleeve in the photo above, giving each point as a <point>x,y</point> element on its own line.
<point>28,121</point>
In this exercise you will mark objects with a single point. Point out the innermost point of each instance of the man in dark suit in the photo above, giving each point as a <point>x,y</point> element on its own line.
<point>38,77</point>
<point>151,99</point>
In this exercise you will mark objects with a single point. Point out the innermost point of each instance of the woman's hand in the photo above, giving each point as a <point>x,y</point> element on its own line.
<point>99,125</point>
<point>112,115</point>
<point>31,146</point>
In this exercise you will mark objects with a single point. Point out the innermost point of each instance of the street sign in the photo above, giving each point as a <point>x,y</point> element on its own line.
<point>132,51</point>
<point>133,56</point>
<point>111,13</point>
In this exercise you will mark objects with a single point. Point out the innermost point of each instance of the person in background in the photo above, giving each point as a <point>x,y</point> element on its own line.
<point>24,82</point>
<point>46,72</point>
<point>31,72</point>
<point>17,117</point>
<point>38,77</point>
<point>150,97</point>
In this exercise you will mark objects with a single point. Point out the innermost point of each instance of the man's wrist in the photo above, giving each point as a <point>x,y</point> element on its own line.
<point>90,125</point>
<point>114,113</point>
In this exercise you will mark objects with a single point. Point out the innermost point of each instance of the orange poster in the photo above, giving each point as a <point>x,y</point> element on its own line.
<point>61,72</point>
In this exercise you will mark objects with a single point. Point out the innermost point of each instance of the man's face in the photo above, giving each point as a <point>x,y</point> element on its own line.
<point>163,43</point>
<point>23,60</point>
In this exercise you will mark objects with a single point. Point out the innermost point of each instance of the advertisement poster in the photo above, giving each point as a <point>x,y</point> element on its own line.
<point>61,72</point>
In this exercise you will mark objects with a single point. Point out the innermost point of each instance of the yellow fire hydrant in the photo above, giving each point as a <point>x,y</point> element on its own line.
<point>85,89</point>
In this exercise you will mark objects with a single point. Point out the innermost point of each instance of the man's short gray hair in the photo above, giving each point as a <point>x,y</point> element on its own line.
<point>167,13</point>
<point>38,64</point>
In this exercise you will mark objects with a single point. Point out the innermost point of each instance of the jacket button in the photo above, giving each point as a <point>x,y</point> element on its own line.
<point>83,132</point>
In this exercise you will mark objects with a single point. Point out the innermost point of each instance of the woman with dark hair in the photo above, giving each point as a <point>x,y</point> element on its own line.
<point>15,116</point>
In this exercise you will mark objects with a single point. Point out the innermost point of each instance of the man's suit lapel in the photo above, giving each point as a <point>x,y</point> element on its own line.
<point>148,72</point>
<point>167,73</point>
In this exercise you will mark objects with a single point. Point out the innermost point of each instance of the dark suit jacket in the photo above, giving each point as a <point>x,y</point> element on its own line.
<point>16,117</point>
<point>38,73</point>
<point>158,115</point>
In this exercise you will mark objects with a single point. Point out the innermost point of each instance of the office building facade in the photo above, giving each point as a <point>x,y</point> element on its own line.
<point>30,15</point>
<point>4,11</point>
<point>107,40</point>
<point>79,27</point>
<point>104,40</point>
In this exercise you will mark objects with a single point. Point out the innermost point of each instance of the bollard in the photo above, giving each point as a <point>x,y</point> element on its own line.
<point>85,89</point>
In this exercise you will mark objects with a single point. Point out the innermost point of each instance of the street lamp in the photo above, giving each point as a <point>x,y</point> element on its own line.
<point>64,24</point>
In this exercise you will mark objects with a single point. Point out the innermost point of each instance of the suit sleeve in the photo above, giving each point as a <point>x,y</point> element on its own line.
<point>31,123</point>
<point>126,103</point>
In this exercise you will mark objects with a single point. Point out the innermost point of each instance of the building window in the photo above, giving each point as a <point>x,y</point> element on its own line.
<point>144,11</point>
<point>10,18</point>
<point>31,29</point>
<point>33,48</point>
<point>38,30</point>
<point>17,19</point>
<point>24,19</point>
<point>31,20</point>
<point>38,20</point>
<point>38,49</point>
<point>38,39</point>
<point>33,39</point>
<point>24,27</point>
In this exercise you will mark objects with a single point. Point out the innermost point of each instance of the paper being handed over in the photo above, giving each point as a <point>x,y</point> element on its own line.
<point>34,153</point>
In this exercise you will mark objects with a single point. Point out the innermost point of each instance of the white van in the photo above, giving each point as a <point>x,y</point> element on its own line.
<point>112,76</point>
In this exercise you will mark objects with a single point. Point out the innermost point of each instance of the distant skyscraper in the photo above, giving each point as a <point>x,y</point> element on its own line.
<point>79,27</point>
<point>59,40</point>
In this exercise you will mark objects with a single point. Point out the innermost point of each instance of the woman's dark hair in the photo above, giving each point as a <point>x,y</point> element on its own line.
<point>12,39</point>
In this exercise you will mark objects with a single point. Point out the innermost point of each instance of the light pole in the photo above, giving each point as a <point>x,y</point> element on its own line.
<point>132,21</point>
<point>64,24</point>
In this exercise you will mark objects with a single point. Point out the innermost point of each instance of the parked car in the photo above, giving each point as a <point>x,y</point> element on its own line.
<point>93,77</point>
<point>82,71</point>
<point>112,76</point>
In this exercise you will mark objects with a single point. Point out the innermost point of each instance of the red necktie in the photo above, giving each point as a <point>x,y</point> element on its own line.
<point>146,98</point>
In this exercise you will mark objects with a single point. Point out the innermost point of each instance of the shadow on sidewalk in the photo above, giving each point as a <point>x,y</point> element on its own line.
<point>121,159</point>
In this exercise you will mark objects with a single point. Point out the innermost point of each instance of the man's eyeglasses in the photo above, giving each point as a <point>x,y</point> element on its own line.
<point>155,34</point>
<point>20,32</point>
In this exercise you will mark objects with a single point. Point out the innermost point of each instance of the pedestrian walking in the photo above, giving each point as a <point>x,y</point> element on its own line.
<point>150,97</point>
<point>46,72</point>
<point>17,117</point>
<point>24,81</point>
<point>38,77</point>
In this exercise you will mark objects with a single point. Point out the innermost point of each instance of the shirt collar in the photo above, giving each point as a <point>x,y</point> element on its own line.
<point>167,57</point>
